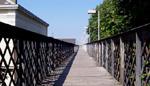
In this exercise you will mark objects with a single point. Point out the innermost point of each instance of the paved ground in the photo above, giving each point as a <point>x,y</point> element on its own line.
<point>84,72</point>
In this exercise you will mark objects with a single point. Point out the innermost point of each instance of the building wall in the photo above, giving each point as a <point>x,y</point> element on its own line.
<point>14,1</point>
<point>18,16</point>
<point>26,22</point>
<point>7,16</point>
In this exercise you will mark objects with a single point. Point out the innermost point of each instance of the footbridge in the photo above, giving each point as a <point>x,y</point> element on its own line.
<point>30,59</point>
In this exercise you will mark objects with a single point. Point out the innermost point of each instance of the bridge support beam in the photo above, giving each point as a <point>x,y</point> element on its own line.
<point>138,60</point>
<point>122,61</point>
<point>112,56</point>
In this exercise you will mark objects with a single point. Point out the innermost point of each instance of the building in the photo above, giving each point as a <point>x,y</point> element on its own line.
<point>16,15</point>
<point>69,40</point>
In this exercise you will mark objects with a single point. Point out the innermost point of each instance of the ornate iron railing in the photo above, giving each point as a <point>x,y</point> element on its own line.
<point>26,58</point>
<point>126,56</point>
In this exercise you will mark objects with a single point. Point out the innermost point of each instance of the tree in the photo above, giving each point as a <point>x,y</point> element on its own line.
<point>138,9</point>
<point>110,22</point>
<point>118,16</point>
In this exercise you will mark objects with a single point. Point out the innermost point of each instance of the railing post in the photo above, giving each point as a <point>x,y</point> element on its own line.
<point>138,60</point>
<point>122,60</point>
<point>106,55</point>
<point>102,54</point>
<point>97,51</point>
<point>97,54</point>
<point>112,56</point>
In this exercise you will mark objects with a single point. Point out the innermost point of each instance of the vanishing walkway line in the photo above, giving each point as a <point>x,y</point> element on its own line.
<point>84,72</point>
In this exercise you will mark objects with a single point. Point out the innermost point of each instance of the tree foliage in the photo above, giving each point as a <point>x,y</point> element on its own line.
<point>117,16</point>
<point>110,21</point>
<point>138,9</point>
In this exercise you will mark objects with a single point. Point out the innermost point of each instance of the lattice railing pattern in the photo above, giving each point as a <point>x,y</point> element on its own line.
<point>146,63</point>
<point>130,63</point>
<point>117,59</point>
<point>109,56</point>
<point>5,64</point>
<point>104,54</point>
<point>27,60</point>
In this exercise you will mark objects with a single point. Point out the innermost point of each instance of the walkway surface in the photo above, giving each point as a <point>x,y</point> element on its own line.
<point>84,72</point>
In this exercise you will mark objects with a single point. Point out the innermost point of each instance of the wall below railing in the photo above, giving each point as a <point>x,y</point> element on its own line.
<point>126,56</point>
<point>26,58</point>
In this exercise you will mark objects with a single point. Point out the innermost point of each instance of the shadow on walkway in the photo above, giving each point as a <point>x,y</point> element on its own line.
<point>57,77</point>
<point>63,76</point>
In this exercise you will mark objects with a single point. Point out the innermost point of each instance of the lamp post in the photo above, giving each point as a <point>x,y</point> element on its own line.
<point>89,39</point>
<point>93,11</point>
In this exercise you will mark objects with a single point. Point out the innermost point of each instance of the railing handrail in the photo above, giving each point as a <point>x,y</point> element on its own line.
<point>13,31</point>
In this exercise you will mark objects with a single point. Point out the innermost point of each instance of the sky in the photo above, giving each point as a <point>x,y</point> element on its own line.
<point>66,18</point>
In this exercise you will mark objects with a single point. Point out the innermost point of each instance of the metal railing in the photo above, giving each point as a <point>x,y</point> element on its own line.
<point>126,56</point>
<point>26,58</point>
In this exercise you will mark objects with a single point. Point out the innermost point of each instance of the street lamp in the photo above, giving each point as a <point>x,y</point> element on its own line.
<point>93,11</point>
